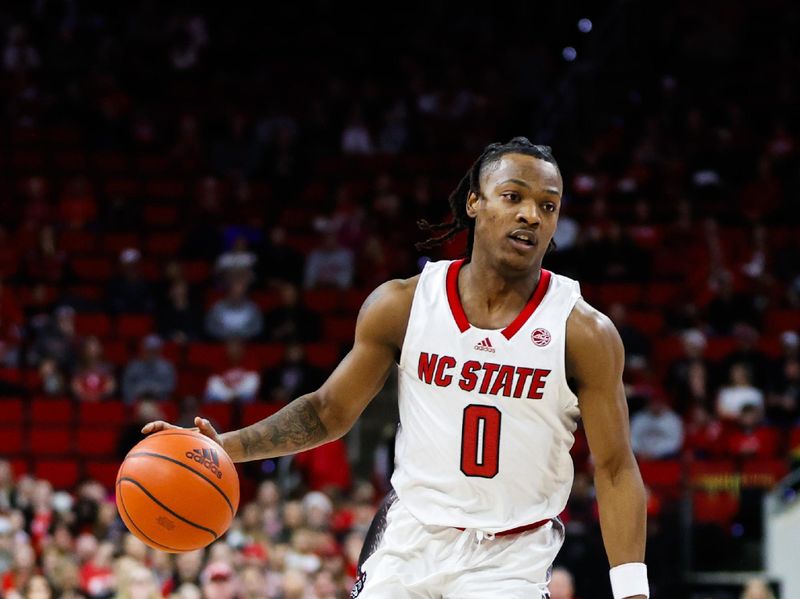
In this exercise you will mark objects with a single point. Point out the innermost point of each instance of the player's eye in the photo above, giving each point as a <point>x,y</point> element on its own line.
<point>510,195</point>
<point>549,207</point>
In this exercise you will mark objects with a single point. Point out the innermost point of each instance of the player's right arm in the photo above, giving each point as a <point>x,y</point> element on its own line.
<point>329,412</point>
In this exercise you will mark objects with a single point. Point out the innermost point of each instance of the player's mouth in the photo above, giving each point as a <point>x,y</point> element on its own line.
<point>523,239</point>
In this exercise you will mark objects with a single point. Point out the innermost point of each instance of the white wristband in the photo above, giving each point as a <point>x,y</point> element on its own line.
<point>629,580</point>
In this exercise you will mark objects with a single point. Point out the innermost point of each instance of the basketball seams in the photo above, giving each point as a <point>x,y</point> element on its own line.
<point>189,468</point>
<point>136,526</point>
<point>164,507</point>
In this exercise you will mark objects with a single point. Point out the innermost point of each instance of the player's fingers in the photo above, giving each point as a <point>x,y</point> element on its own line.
<point>206,428</point>
<point>155,426</point>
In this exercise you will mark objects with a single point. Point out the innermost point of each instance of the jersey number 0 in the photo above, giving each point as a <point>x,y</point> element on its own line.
<point>480,441</point>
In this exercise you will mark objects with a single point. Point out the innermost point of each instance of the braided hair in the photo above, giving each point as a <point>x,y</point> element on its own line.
<point>471,183</point>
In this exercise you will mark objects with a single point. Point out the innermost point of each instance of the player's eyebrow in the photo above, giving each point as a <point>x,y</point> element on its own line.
<point>519,182</point>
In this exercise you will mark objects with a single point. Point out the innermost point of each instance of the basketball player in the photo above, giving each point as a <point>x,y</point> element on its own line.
<point>497,359</point>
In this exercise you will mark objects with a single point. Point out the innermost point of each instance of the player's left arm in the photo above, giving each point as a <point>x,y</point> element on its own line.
<point>595,361</point>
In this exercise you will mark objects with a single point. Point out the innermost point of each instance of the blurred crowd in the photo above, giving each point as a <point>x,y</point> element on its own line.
<point>230,191</point>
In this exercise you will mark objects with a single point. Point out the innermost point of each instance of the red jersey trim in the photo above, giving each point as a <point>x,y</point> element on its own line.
<point>461,317</point>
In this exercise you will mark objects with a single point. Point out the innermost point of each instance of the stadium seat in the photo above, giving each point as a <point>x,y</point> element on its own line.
<point>51,411</point>
<point>353,299</point>
<point>163,244</point>
<point>70,161</point>
<point>110,162</point>
<point>116,352</point>
<point>122,187</point>
<point>20,466</point>
<point>266,300</point>
<point>103,471</point>
<point>265,355</point>
<point>93,293</point>
<point>13,411</point>
<point>114,243</point>
<point>207,355</point>
<point>778,320</point>
<point>763,473</point>
<point>322,355</point>
<point>715,507</point>
<point>196,271</point>
<point>11,441</point>
<point>164,189</point>
<point>220,415</point>
<point>191,382</point>
<point>96,269</point>
<point>628,294</point>
<point>97,441</point>
<point>76,240</point>
<point>650,323</point>
<point>339,330</point>
<point>322,301</point>
<point>711,473</point>
<point>134,325</point>
<point>93,324</point>
<point>111,413</point>
<point>258,411</point>
<point>62,474</point>
<point>50,441</point>
<point>661,474</point>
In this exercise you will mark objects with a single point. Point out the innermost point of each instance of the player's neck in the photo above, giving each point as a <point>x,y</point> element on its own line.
<point>487,288</point>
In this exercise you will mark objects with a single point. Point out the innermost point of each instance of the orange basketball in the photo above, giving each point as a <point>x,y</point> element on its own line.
<point>177,490</point>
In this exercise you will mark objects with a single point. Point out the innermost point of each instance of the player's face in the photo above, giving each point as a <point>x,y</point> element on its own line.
<point>517,211</point>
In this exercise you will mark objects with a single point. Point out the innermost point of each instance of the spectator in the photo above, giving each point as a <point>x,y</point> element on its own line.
<point>147,410</point>
<point>637,345</point>
<point>46,263</point>
<point>291,321</point>
<point>356,137</point>
<point>561,584</point>
<point>179,320</point>
<point>689,377</point>
<point>150,374</point>
<point>57,340</point>
<point>325,468</point>
<point>330,264</point>
<point>51,378</point>
<point>703,433</point>
<point>220,581</point>
<point>783,403</point>
<point>238,261</point>
<point>234,316</point>
<point>93,379</point>
<point>656,431</point>
<point>747,353</point>
<point>130,293</point>
<point>293,377</point>
<point>737,394</point>
<point>236,383</point>
<point>728,308</point>
<point>77,205</point>
<point>11,323</point>
<point>23,568</point>
<point>279,262</point>
<point>751,438</point>
<point>19,56</point>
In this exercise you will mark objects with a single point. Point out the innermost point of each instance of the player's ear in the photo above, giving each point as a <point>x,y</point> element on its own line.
<point>472,204</point>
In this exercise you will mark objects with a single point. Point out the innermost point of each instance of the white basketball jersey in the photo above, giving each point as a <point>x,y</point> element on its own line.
<point>486,416</point>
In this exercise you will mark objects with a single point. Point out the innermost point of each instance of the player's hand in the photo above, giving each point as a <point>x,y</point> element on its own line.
<point>203,426</point>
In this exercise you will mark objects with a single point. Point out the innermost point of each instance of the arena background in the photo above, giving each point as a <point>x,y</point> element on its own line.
<point>221,188</point>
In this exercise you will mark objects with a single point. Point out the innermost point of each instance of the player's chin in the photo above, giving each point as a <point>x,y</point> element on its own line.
<point>523,260</point>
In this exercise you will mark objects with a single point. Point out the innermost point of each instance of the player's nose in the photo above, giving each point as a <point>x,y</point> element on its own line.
<point>528,213</point>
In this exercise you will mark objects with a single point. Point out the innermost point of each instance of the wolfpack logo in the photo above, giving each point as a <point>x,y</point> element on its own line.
<point>485,345</point>
<point>541,337</point>
<point>208,458</point>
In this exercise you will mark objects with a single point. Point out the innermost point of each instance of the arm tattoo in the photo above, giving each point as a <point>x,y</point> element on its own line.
<point>294,428</point>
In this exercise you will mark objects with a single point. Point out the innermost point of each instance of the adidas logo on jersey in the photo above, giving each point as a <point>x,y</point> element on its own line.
<point>207,458</point>
<point>485,345</point>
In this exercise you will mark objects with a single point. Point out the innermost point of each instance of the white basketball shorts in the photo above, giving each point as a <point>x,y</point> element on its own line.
<point>412,560</point>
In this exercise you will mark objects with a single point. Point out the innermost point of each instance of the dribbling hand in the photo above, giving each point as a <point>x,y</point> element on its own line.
<point>203,426</point>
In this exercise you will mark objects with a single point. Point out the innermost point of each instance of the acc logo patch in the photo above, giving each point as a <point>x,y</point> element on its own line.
<point>541,337</point>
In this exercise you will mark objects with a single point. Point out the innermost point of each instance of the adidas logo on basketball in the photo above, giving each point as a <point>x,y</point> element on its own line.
<point>485,345</point>
<point>207,458</point>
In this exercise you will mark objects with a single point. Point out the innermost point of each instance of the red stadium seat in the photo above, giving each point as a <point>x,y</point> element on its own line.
<point>103,471</point>
<point>661,294</point>
<point>322,355</point>
<point>50,441</point>
<point>160,215</point>
<point>628,294</point>
<point>163,244</point>
<point>258,411</point>
<point>12,411</point>
<point>323,301</point>
<point>778,321</point>
<point>97,441</point>
<point>122,187</point>
<point>339,330</point>
<point>11,375</point>
<point>11,441</point>
<point>76,240</point>
<point>794,441</point>
<point>93,269</point>
<point>661,474</point>
<point>266,300</point>
<point>93,324</point>
<point>220,415</point>
<point>165,189</point>
<point>265,355</point>
<point>196,271</point>
<point>20,466</point>
<point>51,411</point>
<point>116,352</point>
<point>716,507</point>
<point>135,325</point>
<point>114,243</point>
<point>62,474</point>
<point>712,473</point>
<point>353,299</point>
<point>207,355</point>
<point>94,293</point>
<point>110,162</point>
<point>191,382</point>
<point>111,413</point>
<point>649,323</point>
<point>70,161</point>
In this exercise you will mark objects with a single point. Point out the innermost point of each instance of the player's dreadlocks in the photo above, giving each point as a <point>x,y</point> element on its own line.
<point>471,183</point>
